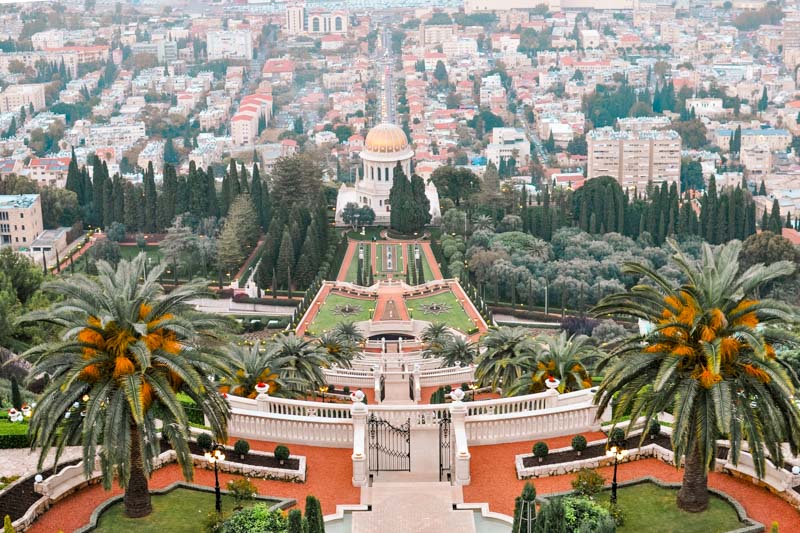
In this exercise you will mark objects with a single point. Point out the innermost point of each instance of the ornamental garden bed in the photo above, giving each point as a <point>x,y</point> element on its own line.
<point>594,450</point>
<point>253,464</point>
<point>19,496</point>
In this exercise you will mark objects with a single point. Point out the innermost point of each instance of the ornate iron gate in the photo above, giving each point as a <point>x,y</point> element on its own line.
<point>383,387</point>
<point>389,446</point>
<point>445,447</point>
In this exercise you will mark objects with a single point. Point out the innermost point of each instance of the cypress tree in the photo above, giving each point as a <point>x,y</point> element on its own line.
<point>360,272</point>
<point>212,204</point>
<point>286,259</point>
<point>16,397</point>
<point>233,174</point>
<point>775,223</point>
<point>710,231</point>
<point>150,199</point>
<point>295,521</point>
<point>314,515</point>
<point>305,267</point>
<point>74,182</point>
<point>225,195</point>
<point>256,196</point>
<point>88,190</point>
<point>166,201</point>
<point>98,183</point>
<point>764,221</point>
<point>118,199</point>
<point>129,217</point>
<point>108,204</point>
<point>762,190</point>
<point>525,509</point>
<point>266,266</point>
<point>371,276</point>
<point>244,187</point>
<point>182,200</point>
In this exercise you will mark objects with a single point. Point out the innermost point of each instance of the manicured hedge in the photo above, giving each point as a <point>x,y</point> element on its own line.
<point>14,441</point>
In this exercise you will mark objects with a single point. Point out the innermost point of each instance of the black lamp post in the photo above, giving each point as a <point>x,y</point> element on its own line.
<point>618,453</point>
<point>214,456</point>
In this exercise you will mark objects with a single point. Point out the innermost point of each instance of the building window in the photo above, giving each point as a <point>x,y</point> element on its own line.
<point>3,215</point>
<point>338,23</point>
<point>315,25</point>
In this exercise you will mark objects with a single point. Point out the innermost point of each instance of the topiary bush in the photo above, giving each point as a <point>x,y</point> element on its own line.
<point>241,448</point>
<point>654,430</point>
<point>579,443</point>
<point>204,441</point>
<point>281,453</point>
<point>616,437</point>
<point>540,450</point>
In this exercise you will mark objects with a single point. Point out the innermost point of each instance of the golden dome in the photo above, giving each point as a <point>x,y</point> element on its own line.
<point>386,138</point>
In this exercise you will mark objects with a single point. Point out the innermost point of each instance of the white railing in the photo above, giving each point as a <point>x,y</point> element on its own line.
<point>519,404</point>
<point>514,427</point>
<point>447,376</point>
<point>348,376</point>
<point>310,430</point>
<point>65,481</point>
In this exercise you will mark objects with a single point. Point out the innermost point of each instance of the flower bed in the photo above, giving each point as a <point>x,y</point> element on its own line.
<point>254,464</point>
<point>18,497</point>
<point>565,460</point>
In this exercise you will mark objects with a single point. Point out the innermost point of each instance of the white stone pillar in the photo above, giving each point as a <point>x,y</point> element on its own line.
<point>551,399</point>
<point>417,383</point>
<point>458,414</point>
<point>359,413</point>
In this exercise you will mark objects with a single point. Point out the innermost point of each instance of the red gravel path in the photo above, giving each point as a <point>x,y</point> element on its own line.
<point>495,481</point>
<point>328,478</point>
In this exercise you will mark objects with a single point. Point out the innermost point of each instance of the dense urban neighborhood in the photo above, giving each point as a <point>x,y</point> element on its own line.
<point>305,266</point>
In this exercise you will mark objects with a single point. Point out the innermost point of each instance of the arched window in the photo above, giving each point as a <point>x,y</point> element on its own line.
<point>338,24</point>
<point>315,24</point>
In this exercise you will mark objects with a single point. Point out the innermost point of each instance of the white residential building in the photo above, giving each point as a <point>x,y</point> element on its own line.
<point>509,142</point>
<point>236,44</point>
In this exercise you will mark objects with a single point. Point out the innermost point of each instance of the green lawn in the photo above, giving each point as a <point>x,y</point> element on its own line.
<point>397,264</point>
<point>455,317</point>
<point>648,507</point>
<point>181,510</point>
<point>129,252</point>
<point>369,233</point>
<point>327,319</point>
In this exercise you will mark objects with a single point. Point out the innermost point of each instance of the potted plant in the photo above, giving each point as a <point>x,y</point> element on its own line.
<point>241,448</point>
<point>204,441</point>
<point>654,430</point>
<point>281,453</point>
<point>579,444</point>
<point>540,450</point>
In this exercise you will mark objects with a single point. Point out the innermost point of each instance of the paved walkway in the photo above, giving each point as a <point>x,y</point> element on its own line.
<point>494,480</point>
<point>329,479</point>
<point>391,304</point>
<point>412,508</point>
<point>22,462</point>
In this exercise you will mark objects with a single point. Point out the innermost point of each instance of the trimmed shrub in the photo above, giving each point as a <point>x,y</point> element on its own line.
<point>579,443</point>
<point>241,448</point>
<point>588,482</point>
<point>204,441</point>
<point>256,518</point>
<point>540,450</point>
<point>295,521</point>
<point>524,521</point>
<point>346,389</point>
<point>281,453</point>
<point>654,430</point>
<point>314,515</point>
<point>16,396</point>
<point>616,437</point>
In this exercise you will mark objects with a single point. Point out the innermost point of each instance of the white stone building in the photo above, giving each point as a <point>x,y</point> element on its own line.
<point>385,147</point>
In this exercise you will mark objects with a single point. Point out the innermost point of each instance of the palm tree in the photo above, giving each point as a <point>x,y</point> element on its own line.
<point>709,357</point>
<point>483,222</point>
<point>566,358</point>
<point>252,365</point>
<point>509,354</point>
<point>126,352</point>
<point>299,362</point>
<point>348,331</point>
<point>458,348</point>
<point>340,349</point>
<point>435,335</point>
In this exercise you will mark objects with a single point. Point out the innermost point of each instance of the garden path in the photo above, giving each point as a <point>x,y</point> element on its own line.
<point>23,462</point>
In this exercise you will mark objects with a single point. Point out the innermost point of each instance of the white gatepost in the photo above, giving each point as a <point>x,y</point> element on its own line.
<point>359,411</point>
<point>377,371</point>
<point>458,415</point>
<point>262,400</point>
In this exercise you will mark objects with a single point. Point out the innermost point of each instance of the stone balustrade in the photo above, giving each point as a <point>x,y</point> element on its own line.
<point>522,426</point>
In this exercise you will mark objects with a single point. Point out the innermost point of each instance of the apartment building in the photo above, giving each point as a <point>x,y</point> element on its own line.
<point>773,138</point>
<point>507,143</point>
<point>705,107</point>
<point>20,220</point>
<point>16,96</point>
<point>164,51</point>
<point>295,18</point>
<point>236,44</point>
<point>634,158</point>
<point>49,171</point>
